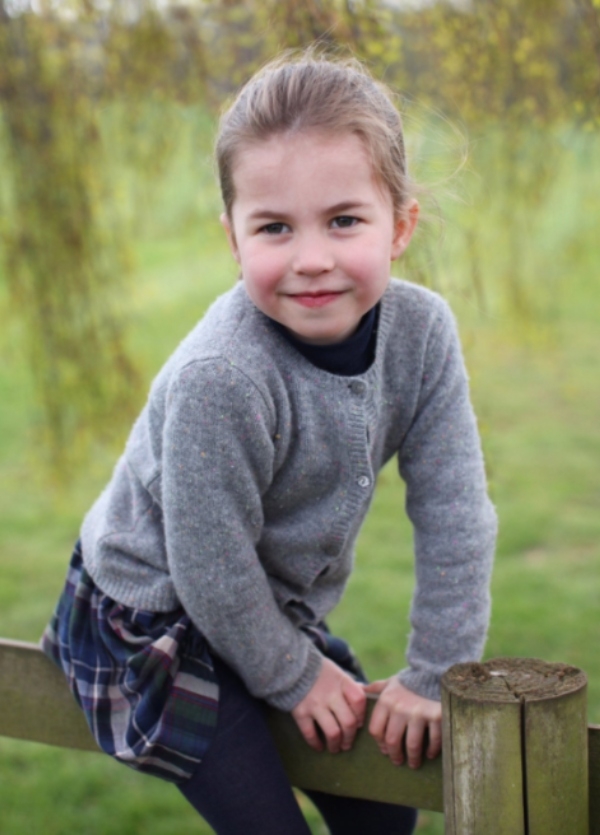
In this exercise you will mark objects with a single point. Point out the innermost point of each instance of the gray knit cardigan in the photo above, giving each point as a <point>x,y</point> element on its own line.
<point>247,476</point>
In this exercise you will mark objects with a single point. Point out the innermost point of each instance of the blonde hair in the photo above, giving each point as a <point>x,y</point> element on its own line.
<point>308,91</point>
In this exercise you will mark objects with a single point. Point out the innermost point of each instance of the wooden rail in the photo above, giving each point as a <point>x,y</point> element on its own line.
<point>35,705</point>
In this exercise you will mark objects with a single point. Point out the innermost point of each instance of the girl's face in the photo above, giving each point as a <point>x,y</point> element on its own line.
<point>314,232</point>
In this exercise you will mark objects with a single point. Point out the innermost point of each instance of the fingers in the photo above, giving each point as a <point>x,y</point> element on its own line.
<point>308,729</point>
<point>339,726</point>
<point>400,723</point>
<point>375,687</point>
<point>388,727</point>
<point>415,733</point>
<point>344,716</point>
<point>395,730</point>
<point>435,740</point>
<point>334,709</point>
<point>357,701</point>
<point>378,725</point>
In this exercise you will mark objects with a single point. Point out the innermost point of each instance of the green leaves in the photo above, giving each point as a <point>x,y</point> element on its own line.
<point>79,90</point>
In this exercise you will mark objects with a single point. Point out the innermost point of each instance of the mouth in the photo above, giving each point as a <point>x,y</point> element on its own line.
<point>319,299</point>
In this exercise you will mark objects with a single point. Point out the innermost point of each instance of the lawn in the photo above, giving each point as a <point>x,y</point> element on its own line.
<point>536,392</point>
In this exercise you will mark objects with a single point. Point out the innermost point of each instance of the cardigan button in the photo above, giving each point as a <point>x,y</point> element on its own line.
<point>358,387</point>
<point>364,481</point>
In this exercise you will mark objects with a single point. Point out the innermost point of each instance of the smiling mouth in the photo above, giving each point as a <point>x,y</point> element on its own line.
<point>316,299</point>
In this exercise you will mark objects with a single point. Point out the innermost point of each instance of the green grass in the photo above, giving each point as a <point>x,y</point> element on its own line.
<point>535,387</point>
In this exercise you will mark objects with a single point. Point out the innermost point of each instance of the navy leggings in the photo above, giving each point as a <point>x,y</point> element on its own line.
<point>240,788</point>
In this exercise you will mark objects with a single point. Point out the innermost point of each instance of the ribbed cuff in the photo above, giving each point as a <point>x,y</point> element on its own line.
<point>288,699</point>
<point>422,683</point>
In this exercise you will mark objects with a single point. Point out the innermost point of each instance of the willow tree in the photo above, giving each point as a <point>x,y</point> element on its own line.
<point>64,254</point>
<point>509,70</point>
<point>517,74</point>
<point>65,242</point>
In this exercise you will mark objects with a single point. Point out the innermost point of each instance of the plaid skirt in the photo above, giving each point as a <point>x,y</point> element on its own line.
<point>145,680</point>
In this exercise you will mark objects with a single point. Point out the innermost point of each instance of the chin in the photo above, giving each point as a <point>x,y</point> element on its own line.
<point>321,339</point>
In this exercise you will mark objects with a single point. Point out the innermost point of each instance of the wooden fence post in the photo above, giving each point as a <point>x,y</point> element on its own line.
<point>515,748</point>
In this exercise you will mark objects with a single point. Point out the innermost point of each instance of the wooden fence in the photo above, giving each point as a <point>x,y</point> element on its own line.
<point>518,755</point>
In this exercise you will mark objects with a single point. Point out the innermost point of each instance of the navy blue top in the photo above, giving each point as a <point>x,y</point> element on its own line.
<point>348,358</point>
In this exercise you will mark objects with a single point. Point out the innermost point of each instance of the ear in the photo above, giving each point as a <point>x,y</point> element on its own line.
<point>404,227</point>
<point>227,226</point>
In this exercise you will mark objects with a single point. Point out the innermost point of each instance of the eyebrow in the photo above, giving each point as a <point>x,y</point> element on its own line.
<point>347,206</point>
<point>337,208</point>
<point>264,214</point>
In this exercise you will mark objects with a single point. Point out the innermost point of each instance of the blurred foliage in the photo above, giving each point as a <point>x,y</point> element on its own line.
<point>63,250</point>
<point>78,78</point>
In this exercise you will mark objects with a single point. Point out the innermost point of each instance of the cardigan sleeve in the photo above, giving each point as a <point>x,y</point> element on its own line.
<point>453,519</point>
<point>218,458</point>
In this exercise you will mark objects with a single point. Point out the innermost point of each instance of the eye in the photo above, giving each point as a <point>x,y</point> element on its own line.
<point>274,228</point>
<point>344,222</point>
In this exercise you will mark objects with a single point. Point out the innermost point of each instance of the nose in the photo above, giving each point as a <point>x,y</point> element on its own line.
<point>313,255</point>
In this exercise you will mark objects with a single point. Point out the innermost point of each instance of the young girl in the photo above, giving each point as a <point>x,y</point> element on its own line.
<point>226,534</point>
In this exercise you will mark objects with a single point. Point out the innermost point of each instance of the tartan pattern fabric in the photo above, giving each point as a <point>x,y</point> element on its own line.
<point>144,680</point>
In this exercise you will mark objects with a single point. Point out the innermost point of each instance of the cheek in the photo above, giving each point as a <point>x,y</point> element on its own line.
<point>370,267</point>
<point>261,278</point>
<point>262,267</point>
<point>258,286</point>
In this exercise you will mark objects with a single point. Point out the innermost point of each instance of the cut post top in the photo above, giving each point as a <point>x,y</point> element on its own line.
<point>513,679</point>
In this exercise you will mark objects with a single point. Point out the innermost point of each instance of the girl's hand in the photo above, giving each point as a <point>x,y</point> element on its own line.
<point>336,704</point>
<point>401,712</point>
